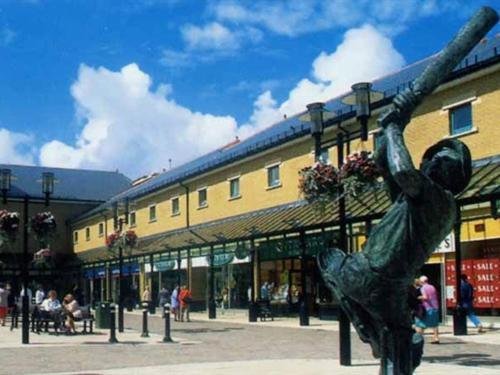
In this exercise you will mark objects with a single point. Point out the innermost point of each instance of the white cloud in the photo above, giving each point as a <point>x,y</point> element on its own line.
<point>364,54</point>
<point>212,36</point>
<point>129,126</point>
<point>16,148</point>
<point>293,18</point>
<point>175,59</point>
<point>7,35</point>
<point>265,114</point>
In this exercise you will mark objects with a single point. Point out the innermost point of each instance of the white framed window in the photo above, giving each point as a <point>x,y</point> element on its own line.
<point>101,229</point>
<point>87,234</point>
<point>132,219</point>
<point>75,236</point>
<point>202,198</point>
<point>175,206</point>
<point>273,175</point>
<point>234,187</point>
<point>460,119</point>
<point>152,213</point>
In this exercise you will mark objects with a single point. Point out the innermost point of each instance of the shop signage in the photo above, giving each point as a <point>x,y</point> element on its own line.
<point>165,265</point>
<point>483,274</point>
<point>221,259</point>
<point>447,246</point>
<point>127,270</point>
<point>241,251</point>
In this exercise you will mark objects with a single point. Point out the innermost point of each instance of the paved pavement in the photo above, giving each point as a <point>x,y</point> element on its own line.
<point>227,347</point>
<point>279,367</point>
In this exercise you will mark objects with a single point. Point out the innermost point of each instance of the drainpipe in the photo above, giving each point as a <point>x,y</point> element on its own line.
<point>186,188</point>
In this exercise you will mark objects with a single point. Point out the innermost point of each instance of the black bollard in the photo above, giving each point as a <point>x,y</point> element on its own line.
<point>166,315</point>
<point>112,323</point>
<point>145,309</point>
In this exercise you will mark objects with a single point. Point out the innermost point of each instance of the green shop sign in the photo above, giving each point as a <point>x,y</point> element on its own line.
<point>165,265</point>
<point>241,251</point>
<point>221,259</point>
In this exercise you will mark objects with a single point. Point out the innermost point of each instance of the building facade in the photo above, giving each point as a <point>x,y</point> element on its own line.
<point>243,199</point>
<point>74,193</point>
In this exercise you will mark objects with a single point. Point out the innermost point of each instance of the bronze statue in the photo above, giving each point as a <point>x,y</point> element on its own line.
<point>372,286</point>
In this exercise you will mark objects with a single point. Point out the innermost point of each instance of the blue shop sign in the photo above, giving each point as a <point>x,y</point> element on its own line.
<point>100,273</point>
<point>89,273</point>
<point>127,270</point>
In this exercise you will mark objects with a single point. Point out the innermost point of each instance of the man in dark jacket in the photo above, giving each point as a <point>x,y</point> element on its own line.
<point>467,291</point>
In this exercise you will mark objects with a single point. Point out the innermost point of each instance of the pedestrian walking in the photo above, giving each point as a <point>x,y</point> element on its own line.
<point>430,302</point>
<point>163,296</point>
<point>4,303</point>
<point>467,292</point>
<point>185,299</point>
<point>415,300</point>
<point>146,296</point>
<point>174,303</point>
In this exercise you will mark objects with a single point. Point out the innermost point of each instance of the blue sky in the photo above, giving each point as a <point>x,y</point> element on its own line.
<point>131,84</point>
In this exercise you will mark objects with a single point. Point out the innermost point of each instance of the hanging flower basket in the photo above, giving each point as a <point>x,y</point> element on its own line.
<point>43,225</point>
<point>9,225</point>
<point>359,173</point>
<point>112,240</point>
<point>319,183</point>
<point>43,259</point>
<point>129,239</point>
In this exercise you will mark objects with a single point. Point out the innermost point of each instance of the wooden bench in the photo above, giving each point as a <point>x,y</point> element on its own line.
<point>87,319</point>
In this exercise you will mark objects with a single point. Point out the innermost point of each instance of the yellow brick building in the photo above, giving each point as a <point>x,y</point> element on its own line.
<point>246,180</point>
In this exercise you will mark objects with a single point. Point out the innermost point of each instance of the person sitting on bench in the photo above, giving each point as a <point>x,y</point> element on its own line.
<point>72,311</point>
<point>51,309</point>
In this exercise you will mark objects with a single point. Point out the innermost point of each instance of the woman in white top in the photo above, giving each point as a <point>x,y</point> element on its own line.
<point>73,311</point>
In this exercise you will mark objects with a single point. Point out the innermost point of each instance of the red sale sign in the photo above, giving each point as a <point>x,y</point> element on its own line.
<point>483,274</point>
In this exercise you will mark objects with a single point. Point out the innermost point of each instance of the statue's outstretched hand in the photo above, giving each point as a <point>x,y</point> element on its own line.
<point>400,114</point>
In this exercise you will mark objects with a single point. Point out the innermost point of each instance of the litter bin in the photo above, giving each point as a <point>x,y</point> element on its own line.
<point>102,315</point>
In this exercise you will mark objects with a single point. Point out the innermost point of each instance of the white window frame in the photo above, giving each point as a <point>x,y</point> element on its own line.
<point>152,220</point>
<point>100,233</point>
<point>229,181</point>
<point>178,212</point>
<point>446,109</point>
<point>206,197</point>
<point>268,167</point>
<point>87,234</point>
<point>75,237</point>
<point>132,224</point>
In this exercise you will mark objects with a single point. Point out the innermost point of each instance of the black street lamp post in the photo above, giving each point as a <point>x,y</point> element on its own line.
<point>47,190</point>
<point>212,314</point>
<point>459,315</point>
<point>362,97</point>
<point>252,307</point>
<point>316,116</point>
<point>344,324</point>
<point>304,301</point>
<point>5,183</point>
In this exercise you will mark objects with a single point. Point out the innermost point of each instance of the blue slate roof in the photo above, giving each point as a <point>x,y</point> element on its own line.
<point>71,184</point>
<point>484,53</point>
